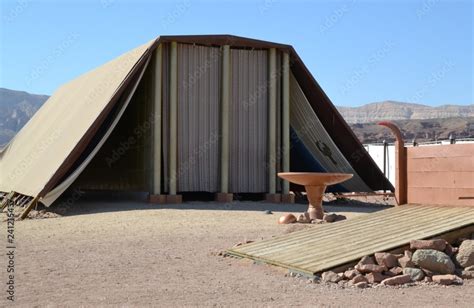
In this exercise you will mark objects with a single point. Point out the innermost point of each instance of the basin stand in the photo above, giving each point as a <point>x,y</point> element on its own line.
<point>315,198</point>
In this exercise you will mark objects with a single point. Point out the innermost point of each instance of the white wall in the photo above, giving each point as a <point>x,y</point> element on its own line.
<point>376,152</point>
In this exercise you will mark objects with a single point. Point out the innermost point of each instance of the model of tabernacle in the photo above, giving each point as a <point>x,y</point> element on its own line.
<point>206,113</point>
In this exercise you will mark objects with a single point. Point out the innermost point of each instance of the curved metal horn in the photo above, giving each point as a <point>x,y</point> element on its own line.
<point>401,163</point>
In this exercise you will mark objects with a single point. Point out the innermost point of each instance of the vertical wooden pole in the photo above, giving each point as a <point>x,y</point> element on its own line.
<point>225,119</point>
<point>157,103</point>
<point>272,122</point>
<point>173,118</point>
<point>286,120</point>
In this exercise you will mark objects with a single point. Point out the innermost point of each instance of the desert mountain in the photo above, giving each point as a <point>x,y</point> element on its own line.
<point>16,108</point>
<point>390,110</point>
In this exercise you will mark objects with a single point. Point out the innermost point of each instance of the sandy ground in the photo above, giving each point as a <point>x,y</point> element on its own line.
<point>134,254</point>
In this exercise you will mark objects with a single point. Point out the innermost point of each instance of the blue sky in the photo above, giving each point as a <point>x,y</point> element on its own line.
<point>359,51</point>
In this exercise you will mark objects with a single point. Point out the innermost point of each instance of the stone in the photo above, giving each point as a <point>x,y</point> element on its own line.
<point>386,259</point>
<point>330,217</point>
<point>465,256</point>
<point>436,244</point>
<point>349,274</point>
<point>447,279</point>
<point>358,278</point>
<point>416,274</point>
<point>397,280</point>
<point>361,285</point>
<point>366,260</point>
<point>428,279</point>
<point>317,221</point>
<point>303,218</point>
<point>467,274</point>
<point>330,276</point>
<point>469,268</point>
<point>268,212</point>
<point>428,272</point>
<point>287,219</point>
<point>375,277</point>
<point>340,217</point>
<point>449,250</point>
<point>314,279</point>
<point>433,260</point>
<point>370,268</point>
<point>405,261</point>
<point>408,254</point>
<point>396,270</point>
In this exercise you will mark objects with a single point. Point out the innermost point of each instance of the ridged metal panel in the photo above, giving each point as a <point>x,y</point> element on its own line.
<point>249,121</point>
<point>331,245</point>
<point>309,129</point>
<point>199,75</point>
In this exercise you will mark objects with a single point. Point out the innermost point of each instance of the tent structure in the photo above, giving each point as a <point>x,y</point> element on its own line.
<point>201,113</point>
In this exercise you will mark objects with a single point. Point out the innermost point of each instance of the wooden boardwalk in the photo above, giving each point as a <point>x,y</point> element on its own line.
<point>329,246</point>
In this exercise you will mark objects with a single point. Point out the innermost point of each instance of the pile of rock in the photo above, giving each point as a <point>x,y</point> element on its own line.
<point>428,261</point>
<point>329,217</point>
<point>305,219</point>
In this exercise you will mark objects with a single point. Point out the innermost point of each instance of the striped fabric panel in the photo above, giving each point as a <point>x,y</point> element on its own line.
<point>199,75</point>
<point>248,121</point>
<point>313,134</point>
<point>165,114</point>
<point>279,115</point>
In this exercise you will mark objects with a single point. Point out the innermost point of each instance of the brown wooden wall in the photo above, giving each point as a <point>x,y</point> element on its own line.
<point>441,174</point>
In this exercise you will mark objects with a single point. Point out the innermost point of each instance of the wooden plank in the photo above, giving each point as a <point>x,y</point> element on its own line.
<point>29,207</point>
<point>379,219</point>
<point>5,200</point>
<point>383,236</point>
<point>336,245</point>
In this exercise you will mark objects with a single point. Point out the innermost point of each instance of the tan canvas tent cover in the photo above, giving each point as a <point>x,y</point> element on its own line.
<point>41,148</point>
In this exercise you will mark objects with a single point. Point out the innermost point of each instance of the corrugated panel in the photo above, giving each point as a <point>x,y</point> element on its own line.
<point>313,134</point>
<point>331,245</point>
<point>249,121</point>
<point>199,75</point>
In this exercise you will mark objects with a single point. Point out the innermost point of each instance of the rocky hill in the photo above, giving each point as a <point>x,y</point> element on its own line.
<point>16,108</point>
<point>422,122</point>
<point>390,110</point>
<point>419,130</point>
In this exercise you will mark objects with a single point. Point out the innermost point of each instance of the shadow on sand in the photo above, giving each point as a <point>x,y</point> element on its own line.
<point>93,203</point>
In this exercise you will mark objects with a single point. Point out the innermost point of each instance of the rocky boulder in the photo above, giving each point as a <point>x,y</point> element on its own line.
<point>386,259</point>
<point>416,274</point>
<point>331,276</point>
<point>370,268</point>
<point>433,260</point>
<point>465,256</point>
<point>447,279</point>
<point>393,281</point>
<point>436,244</point>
